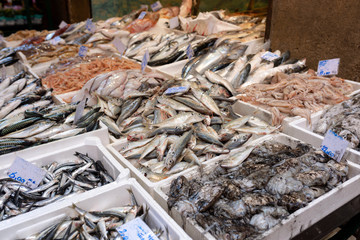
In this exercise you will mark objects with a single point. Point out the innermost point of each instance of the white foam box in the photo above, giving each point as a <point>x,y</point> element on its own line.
<point>148,185</point>
<point>245,108</point>
<point>62,152</point>
<point>105,198</point>
<point>302,130</point>
<point>293,224</point>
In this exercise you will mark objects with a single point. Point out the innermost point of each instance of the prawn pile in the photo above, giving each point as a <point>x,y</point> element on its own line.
<point>298,94</point>
<point>75,78</point>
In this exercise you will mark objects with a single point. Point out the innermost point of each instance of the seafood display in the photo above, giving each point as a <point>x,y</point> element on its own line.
<point>168,133</point>
<point>101,224</point>
<point>296,94</point>
<point>20,93</point>
<point>343,119</point>
<point>61,180</point>
<point>25,34</point>
<point>244,200</point>
<point>74,78</point>
<point>44,124</point>
<point>171,117</point>
<point>45,52</point>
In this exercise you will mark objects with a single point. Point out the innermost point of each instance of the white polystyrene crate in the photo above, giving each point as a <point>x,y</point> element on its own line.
<point>302,130</point>
<point>62,153</point>
<point>148,185</point>
<point>105,198</point>
<point>101,133</point>
<point>245,108</point>
<point>294,223</point>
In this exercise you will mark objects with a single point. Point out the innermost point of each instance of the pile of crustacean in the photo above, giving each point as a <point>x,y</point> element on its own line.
<point>169,124</point>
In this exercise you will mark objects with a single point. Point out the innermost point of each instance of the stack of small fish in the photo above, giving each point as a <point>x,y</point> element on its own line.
<point>344,120</point>
<point>20,93</point>
<point>44,124</point>
<point>169,133</point>
<point>163,49</point>
<point>97,224</point>
<point>60,180</point>
<point>243,201</point>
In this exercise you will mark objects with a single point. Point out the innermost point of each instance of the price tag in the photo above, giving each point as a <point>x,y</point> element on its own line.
<point>62,24</point>
<point>142,15</point>
<point>118,44</point>
<point>136,229</point>
<point>3,72</point>
<point>144,6</point>
<point>145,60</point>
<point>334,145</point>
<point>83,51</point>
<point>269,56</point>
<point>174,22</point>
<point>79,110</point>
<point>189,51</point>
<point>90,26</point>
<point>26,173</point>
<point>173,90</point>
<point>55,40</point>
<point>328,67</point>
<point>156,6</point>
<point>49,36</point>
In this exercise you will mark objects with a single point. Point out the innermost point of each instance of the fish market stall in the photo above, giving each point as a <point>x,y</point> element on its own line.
<point>193,108</point>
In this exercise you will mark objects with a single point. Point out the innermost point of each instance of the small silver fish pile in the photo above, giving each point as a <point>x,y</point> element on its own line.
<point>96,224</point>
<point>20,93</point>
<point>344,120</point>
<point>169,133</point>
<point>165,49</point>
<point>246,200</point>
<point>60,180</point>
<point>45,124</point>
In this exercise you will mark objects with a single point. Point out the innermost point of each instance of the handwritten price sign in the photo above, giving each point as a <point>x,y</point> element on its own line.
<point>26,173</point>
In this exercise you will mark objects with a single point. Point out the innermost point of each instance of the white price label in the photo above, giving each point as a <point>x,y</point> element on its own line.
<point>90,26</point>
<point>269,56</point>
<point>334,145</point>
<point>55,40</point>
<point>49,36</point>
<point>83,51</point>
<point>118,44</point>
<point>136,229</point>
<point>26,173</point>
<point>79,110</point>
<point>3,72</point>
<point>156,6</point>
<point>189,51</point>
<point>62,24</point>
<point>142,15</point>
<point>173,90</point>
<point>328,67</point>
<point>174,22</point>
<point>145,60</point>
